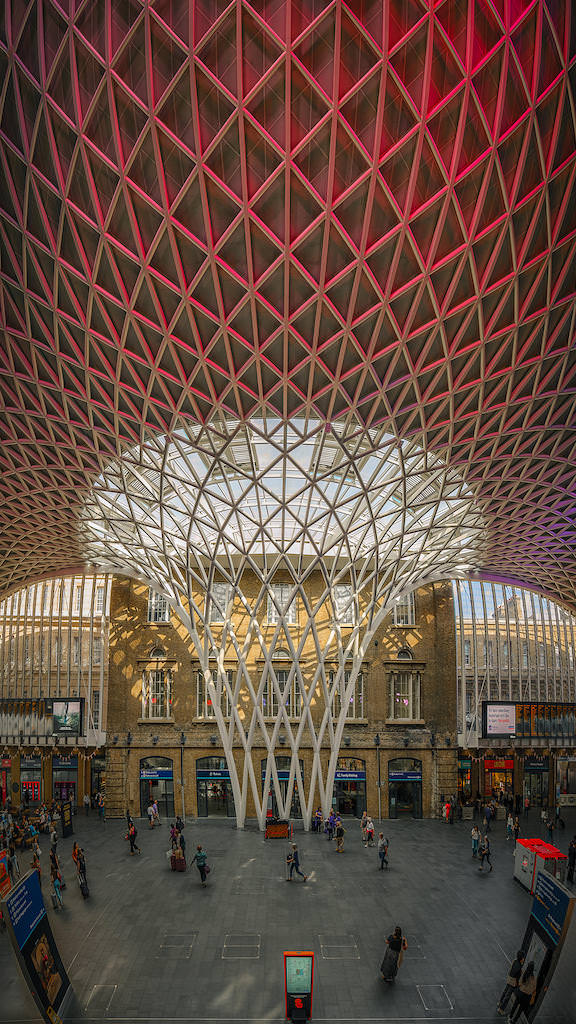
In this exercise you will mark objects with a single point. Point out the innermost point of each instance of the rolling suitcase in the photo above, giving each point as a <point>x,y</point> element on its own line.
<point>83,886</point>
<point>177,863</point>
<point>54,898</point>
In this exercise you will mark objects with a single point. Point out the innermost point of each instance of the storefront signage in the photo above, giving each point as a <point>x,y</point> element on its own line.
<point>464,764</point>
<point>67,717</point>
<point>528,721</point>
<point>350,776</point>
<point>34,945</point>
<point>551,903</point>
<point>156,773</point>
<point>30,762</point>
<point>6,762</point>
<point>60,761</point>
<point>499,764</point>
<point>213,773</point>
<point>405,776</point>
<point>536,764</point>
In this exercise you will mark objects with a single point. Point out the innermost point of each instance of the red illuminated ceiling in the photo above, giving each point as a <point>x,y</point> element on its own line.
<point>347,209</point>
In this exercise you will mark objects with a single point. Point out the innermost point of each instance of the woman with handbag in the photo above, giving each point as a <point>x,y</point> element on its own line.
<point>525,993</point>
<point>396,945</point>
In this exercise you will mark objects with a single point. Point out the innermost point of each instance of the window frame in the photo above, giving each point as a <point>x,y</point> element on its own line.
<point>407,602</point>
<point>289,613</point>
<point>202,707</point>
<point>157,604</point>
<point>412,695</point>
<point>348,601</point>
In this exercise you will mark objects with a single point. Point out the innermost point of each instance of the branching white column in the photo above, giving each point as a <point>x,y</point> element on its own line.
<point>313,508</point>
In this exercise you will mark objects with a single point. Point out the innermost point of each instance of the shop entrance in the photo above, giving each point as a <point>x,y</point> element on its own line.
<point>157,783</point>
<point>213,788</point>
<point>64,791</point>
<point>498,777</point>
<point>32,788</point>
<point>405,787</point>
<point>283,769</point>
<point>349,798</point>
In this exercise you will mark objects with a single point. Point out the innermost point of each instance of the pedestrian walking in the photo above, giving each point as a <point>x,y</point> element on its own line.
<point>293,860</point>
<point>132,833</point>
<point>369,831</point>
<point>525,993</point>
<point>382,851</point>
<point>150,813</point>
<point>156,813</point>
<point>571,860</point>
<point>363,821</point>
<point>396,945</point>
<point>56,888</point>
<point>53,837</point>
<point>200,858</point>
<point>509,827</point>
<point>340,830</point>
<point>526,806</point>
<point>550,825</point>
<point>516,829</point>
<point>512,981</point>
<point>476,837</point>
<point>487,817</point>
<point>485,853</point>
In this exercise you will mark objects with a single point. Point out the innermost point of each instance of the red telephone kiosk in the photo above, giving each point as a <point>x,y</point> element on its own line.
<point>298,985</point>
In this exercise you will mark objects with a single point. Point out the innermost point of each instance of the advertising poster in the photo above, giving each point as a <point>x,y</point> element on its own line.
<point>35,946</point>
<point>66,819</point>
<point>5,883</point>
<point>500,719</point>
<point>67,717</point>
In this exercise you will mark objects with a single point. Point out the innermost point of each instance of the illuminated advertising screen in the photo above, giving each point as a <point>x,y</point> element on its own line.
<point>500,719</point>
<point>67,717</point>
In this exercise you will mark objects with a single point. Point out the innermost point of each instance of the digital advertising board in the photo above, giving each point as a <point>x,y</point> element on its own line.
<point>523,719</point>
<point>67,717</point>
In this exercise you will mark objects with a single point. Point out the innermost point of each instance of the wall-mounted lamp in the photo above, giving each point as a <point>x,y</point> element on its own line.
<point>406,741</point>
<point>129,739</point>
<point>182,738</point>
<point>114,740</point>
<point>213,740</point>
<point>432,739</point>
<point>377,740</point>
<point>282,739</point>
<point>154,740</point>
<point>346,741</point>
<point>448,741</point>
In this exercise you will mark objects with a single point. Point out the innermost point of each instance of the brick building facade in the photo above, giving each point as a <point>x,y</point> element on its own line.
<point>402,726</point>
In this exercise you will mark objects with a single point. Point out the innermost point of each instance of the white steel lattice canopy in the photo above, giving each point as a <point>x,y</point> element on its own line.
<point>354,213</point>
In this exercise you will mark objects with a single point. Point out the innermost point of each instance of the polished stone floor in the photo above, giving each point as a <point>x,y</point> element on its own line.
<point>152,945</point>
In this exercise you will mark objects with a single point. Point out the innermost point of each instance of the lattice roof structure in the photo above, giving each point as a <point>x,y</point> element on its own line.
<point>359,213</point>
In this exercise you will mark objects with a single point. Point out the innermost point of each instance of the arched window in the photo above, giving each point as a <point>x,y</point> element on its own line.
<point>404,654</point>
<point>158,652</point>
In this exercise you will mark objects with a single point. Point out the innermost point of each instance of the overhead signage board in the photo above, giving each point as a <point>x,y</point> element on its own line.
<point>502,719</point>
<point>341,776</point>
<point>208,774</point>
<point>404,776</point>
<point>156,773</point>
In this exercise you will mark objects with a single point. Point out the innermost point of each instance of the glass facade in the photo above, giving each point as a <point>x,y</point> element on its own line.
<point>511,644</point>
<point>53,644</point>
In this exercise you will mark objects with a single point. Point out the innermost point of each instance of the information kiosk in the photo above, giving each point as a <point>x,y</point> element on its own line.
<point>534,855</point>
<point>298,985</point>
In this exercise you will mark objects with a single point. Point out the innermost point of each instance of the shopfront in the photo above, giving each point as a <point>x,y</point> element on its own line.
<point>65,778</point>
<point>213,788</point>
<point>157,783</point>
<point>498,776</point>
<point>536,779</point>
<point>349,798</point>
<point>405,787</point>
<point>465,778</point>
<point>283,769</point>
<point>566,781</point>
<point>30,778</point>
<point>5,777</point>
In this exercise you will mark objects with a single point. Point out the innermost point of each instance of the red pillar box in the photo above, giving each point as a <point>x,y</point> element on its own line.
<point>298,985</point>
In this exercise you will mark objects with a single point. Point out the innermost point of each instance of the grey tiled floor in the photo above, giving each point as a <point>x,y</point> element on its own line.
<point>151,945</point>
